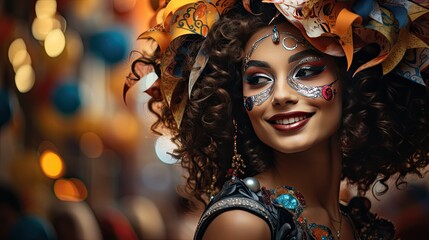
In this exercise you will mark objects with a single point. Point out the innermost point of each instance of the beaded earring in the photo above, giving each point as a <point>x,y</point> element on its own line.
<point>237,163</point>
<point>212,190</point>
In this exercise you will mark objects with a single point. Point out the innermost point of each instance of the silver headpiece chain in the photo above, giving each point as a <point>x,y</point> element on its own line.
<point>276,39</point>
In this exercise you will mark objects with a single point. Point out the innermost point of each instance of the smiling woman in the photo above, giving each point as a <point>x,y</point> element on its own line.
<point>283,95</point>
<point>280,101</point>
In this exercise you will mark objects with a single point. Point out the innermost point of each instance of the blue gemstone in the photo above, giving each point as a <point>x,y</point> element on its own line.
<point>288,201</point>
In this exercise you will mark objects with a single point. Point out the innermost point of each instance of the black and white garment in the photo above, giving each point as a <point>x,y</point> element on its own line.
<point>281,209</point>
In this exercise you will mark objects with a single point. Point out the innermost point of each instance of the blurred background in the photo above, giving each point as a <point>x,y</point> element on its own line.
<point>81,162</point>
<point>76,162</point>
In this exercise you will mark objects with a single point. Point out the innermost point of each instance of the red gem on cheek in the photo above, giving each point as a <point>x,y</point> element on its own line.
<point>327,93</point>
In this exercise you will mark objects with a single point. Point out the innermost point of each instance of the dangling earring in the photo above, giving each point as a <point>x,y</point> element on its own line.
<point>237,163</point>
<point>212,190</point>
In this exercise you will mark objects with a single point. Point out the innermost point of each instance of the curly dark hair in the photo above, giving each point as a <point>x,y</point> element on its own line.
<point>385,118</point>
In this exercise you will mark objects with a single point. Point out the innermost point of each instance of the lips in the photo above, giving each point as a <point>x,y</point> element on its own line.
<point>290,121</point>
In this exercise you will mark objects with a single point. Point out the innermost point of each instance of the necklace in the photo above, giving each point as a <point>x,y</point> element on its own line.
<point>293,201</point>
<point>340,222</point>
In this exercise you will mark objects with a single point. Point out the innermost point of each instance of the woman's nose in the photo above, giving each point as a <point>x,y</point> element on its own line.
<point>283,94</point>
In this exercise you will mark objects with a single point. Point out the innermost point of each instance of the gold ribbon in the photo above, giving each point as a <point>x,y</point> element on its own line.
<point>343,28</point>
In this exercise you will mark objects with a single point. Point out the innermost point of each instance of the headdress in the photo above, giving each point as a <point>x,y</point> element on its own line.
<point>339,28</point>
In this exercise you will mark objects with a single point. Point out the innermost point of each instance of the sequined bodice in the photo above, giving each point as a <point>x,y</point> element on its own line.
<point>281,208</point>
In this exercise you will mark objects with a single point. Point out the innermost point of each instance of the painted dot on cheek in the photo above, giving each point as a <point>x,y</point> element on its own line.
<point>327,93</point>
<point>248,103</point>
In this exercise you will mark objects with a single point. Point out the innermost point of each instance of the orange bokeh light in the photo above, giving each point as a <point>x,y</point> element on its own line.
<point>71,190</point>
<point>52,164</point>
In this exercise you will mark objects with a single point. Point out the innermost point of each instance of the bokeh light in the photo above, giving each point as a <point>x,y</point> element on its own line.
<point>19,58</point>
<point>16,46</point>
<point>25,78</point>
<point>41,27</point>
<point>52,164</point>
<point>80,187</point>
<point>55,43</point>
<point>45,8</point>
<point>71,190</point>
<point>66,97</point>
<point>91,145</point>
<point>111,45</point>
<point>163,147</point>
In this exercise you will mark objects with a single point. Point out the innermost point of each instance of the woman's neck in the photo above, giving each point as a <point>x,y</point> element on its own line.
<point>316,173</point>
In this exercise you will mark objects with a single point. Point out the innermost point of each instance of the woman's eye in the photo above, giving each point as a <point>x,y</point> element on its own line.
<point>308,71</point>
<point>257,79</point>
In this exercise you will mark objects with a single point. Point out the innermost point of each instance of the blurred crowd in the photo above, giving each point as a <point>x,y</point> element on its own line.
<point>130,218</point>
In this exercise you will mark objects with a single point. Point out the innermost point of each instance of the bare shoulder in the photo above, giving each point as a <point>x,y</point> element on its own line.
<point>237,224</point>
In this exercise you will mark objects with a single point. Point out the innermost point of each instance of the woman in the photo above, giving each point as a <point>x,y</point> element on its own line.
<point>276,118</point>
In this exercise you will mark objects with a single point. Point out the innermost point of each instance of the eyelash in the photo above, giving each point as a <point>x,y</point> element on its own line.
<point>315,70</point>
<point>254,79</point>
<point>312,64</point>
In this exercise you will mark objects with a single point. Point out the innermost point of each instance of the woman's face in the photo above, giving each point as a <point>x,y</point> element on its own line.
<point>291,92</point>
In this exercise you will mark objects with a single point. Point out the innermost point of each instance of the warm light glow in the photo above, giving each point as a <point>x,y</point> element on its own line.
<point>81,188</point>
<point>16,46</point>
<point>46,8</point>
<point>20,58</point>
<point>91,145</point>
<point>42,26</point>
<point>66,190</point>
<point>125,133</point>
<point>124,5</point>
<point>55,43</point>
<point>52,165</point>
<point>73,190</point>
<point>24,78</point>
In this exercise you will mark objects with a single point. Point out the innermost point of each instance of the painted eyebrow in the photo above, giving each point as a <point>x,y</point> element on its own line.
<point>299,55</point>
<point>255,63</point>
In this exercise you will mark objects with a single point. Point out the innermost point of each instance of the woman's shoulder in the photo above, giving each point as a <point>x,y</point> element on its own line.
<point>235,207</point>
<point>237,224</point>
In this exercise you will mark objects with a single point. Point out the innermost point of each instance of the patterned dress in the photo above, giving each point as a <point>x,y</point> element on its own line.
<point>281,209</point>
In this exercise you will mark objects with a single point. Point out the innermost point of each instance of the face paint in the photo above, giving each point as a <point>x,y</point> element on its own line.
<point>305,78</point>
<point>258,99</point>
<point>296,91</point>
<point>308,71</point>
<point>324,91</point>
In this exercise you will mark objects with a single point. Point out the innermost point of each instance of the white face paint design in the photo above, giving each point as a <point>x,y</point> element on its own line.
<point>298,78</point>
<point>289,94</point>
